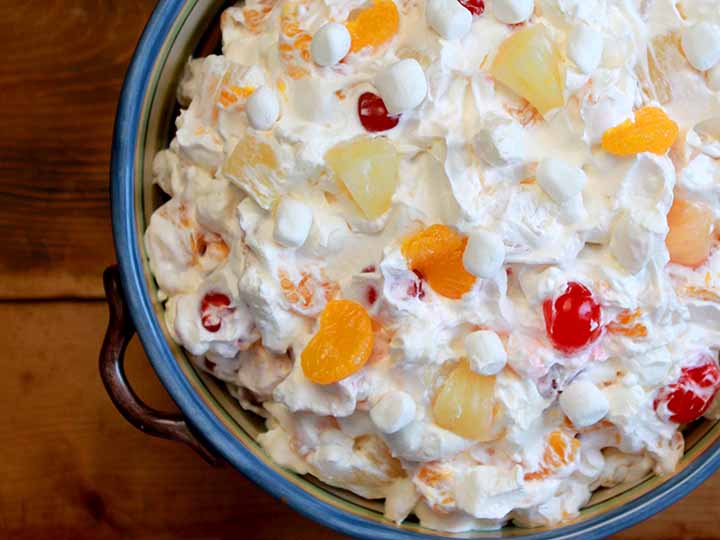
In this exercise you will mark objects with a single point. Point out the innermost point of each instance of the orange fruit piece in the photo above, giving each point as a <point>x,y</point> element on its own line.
<point>342,345</point>
<point>373,25</point>
<point>690,238</point>
<point>437,254</point>
<point>560,450</point>
<point>305,294</point>
<point>435,480</point>
<point>624,325</point>
<point>653,131</point>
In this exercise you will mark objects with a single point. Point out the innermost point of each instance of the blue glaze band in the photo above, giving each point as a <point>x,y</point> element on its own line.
<point>138,297</point>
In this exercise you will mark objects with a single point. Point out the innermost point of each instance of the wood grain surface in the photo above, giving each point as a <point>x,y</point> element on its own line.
<point>62,69</point>
<point>70,466</point>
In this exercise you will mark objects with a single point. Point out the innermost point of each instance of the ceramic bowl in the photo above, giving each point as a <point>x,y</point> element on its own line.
<point>144,120</point>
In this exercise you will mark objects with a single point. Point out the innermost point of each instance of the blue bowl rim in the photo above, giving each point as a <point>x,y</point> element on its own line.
<point>152,337</point>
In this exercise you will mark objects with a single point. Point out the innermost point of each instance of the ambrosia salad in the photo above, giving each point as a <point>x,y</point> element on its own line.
<point>461,255</point>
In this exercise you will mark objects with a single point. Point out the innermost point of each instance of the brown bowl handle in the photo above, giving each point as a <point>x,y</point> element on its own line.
<point>120,331</point>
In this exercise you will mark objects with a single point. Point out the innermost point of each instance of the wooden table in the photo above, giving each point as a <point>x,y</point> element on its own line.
<point>70,467</point>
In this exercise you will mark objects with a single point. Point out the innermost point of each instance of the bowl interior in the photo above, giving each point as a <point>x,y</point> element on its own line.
<point>191,28</point>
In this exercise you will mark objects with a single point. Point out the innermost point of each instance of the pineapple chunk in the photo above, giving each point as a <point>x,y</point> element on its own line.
<point>253,166</point>
<point>690,238</point>
<point>369,168</point>
<point>466,405</point>
<point>664,57</point>
<point>529,63</point>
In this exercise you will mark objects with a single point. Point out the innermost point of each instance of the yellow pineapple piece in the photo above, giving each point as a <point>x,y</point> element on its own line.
<point>664,57</point>
<point>253,165</point>
<point>369,168</point>
<point>530,64</point>
<point>466,405</point>
<point>691,232</point>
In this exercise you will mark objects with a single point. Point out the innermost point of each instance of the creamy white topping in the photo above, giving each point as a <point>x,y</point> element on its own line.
<point>258,236</point>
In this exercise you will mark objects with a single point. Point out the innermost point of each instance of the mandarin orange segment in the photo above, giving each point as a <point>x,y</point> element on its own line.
<point>691,232</point>
<point>229,96</point>
<point>307,292</point>
<point>530,64</point>
<point>341,346</point>
<point>652,131</point>
<point>466,405</point>
<point>437,254</point>
<point>294,42</point>
<point>624,325</point>
<point>374,25</point>
<point>434,480</point>
<point>560,450</point>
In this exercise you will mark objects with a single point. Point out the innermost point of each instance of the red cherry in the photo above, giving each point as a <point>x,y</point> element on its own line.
<point>572,321</point>
<point>369,269</point>
<point>373,113</point>
<point>476,7</point>
<point>415,289</point>
<point>212,308</point>
<point>372,295</point>
<point>690,396</point>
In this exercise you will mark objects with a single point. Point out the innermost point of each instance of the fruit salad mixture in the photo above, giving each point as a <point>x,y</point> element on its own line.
<point>461,255</point>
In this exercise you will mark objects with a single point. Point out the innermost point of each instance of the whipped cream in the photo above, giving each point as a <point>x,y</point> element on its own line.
<point>257,237</point>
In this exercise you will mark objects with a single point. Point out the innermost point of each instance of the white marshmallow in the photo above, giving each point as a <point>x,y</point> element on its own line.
<point>262,108</point>
<point>630,243</point>
<point>293,220</point>
<point>402,86</point>
<point>486,353</point>
<point>330,44</point>
<point>394,411</point>
<point>701,45</point>
<point>448,18</point>
<point>585,48</point>
<point>584,403</point>
<point>560,180</point>
<point>713,77</point>
<point>501,141</point>
<point>484,255</point>
<point>513,11</point>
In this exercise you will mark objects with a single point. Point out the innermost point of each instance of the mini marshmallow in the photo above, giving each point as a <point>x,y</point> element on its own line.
<point>394,411</point>
<point>713,78</point>
<point>701,45</point>
<point>585,48</point>
<point>293,220</point>
<point>402,86</point>
<point>484,254</point>
<point>448,18</point>
<point>330,44</point>
<point>513,11</point>
<point>560,180</point>
<point>630,243</point>
<point>500,142</point>
<point>486,352</point>
<point>584,403</point>
<point>262,108</point>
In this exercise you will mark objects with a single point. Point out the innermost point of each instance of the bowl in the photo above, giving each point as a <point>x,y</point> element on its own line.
<point>212,422</point>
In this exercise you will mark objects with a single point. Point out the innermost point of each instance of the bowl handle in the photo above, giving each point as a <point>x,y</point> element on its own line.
<point>120,331</point>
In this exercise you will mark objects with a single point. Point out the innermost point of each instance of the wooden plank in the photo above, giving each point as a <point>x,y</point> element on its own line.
<point>72,468</point>
<point>62,69</point>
